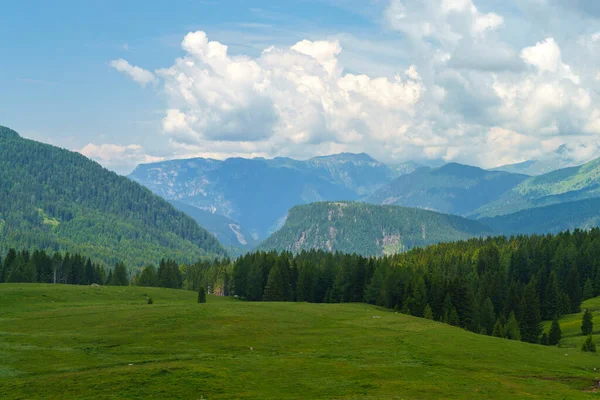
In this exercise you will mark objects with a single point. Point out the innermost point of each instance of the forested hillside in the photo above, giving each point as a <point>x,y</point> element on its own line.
<point>367,229</point>
<point>582,214</point>
<point>561,186</point>
<point>453,188</point>
<point>498,286</point>
<point>57,200</point>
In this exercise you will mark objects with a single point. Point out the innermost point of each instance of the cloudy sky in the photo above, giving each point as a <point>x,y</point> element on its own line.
<point>483,82</point>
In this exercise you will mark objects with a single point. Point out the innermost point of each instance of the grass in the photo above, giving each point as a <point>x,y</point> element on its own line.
<point>59,342</point>
<point>570,326</point>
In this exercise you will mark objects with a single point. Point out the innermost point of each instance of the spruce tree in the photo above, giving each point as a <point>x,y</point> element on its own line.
<point>552,298</point>
<point>487,316</point>
<point>428,313</point>
<point>274,290</point>
<point>202,295</point>
<point>498,330</point>
<point>544,339</point>
<point>555,332</point>
<point>531,321</point>
<point>512,328</point>
<point>119,276</point>
<point>453,319</point>
<point>589,344</point>
<point>587,323</point>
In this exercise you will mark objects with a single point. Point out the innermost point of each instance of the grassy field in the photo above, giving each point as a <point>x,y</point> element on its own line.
<point>571,326</point>
<point>70,342</point>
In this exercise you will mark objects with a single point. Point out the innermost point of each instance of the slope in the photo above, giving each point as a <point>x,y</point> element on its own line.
<point>229,233</point>
<point>82,342</point>
<point>367,229</point>
<point>257,193</point>
<point>564,185</point>
<point>453,188</point>
<point>55,199</point>
<point>582,214</point>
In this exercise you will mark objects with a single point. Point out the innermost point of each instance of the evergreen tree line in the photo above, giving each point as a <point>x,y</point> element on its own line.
<point>75,269</point>
<point>496,286</point>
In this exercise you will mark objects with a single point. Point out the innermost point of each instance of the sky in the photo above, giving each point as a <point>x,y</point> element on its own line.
<point>481,82</point>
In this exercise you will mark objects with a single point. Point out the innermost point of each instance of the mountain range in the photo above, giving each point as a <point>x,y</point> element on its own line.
<point>256,194</point>
<point>58,200</point>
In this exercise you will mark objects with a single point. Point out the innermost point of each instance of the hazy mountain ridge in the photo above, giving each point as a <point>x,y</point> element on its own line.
<point>453,188</point>
<point>257,193</point>
<point>565,185</point>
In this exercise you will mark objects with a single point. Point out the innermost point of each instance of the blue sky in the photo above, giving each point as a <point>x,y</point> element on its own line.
<point>482,82</point>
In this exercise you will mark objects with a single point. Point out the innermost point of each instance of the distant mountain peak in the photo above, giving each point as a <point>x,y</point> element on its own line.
<point>355,157</point>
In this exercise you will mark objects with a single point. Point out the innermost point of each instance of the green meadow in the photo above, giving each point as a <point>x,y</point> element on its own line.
<point>81,342</point>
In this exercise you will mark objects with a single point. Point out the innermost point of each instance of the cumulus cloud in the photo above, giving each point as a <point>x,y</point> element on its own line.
<point>471,83</point>
<point>140,75</point>
<point>120,158</point>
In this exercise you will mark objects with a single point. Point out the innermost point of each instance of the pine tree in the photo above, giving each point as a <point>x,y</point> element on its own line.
<point>544,339</point>
<point>428,313</point>
<point>498,330</point>
<point>487,316</point>
<point>274,290</point>
<point>552,298</point>
<point>555,332</point>
<point>573,288</point>
<point>589,344</point>
<point>588,289</point>
<point>531,321</point>
<point>512,328</point>
<point>453,319</point>
<point>587,323</point>
<point>119,276</point>
<point>202,295</point>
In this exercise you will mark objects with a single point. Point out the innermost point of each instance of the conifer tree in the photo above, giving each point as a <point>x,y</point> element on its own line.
<point>544,339</point>
<point>202,295</point>
<point>487,316</point>
<point>428,313</point>
<point>498,330</point>
<point>512,328</point>
<point>274,290</point>
<point>453,319</point>
<point>589,344</point>
<point>587,323</point>
<point>530,324</point>
<point>119,276</point>
<point>555,332</point>
<point>552,298</point>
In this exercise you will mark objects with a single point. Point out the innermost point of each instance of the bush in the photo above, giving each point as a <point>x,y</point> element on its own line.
<point>150,301</point>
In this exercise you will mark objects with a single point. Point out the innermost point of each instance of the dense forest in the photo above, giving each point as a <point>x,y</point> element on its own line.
<point>497,286</point>
<point>367,229</point>
<point>57,200</point>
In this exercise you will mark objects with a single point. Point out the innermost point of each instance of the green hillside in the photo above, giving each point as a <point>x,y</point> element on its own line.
<point>582,214</point>
<point>367,229</point>
<point>564,185</point>
<point>453,188</point>
<point>54,199</point>
<point>84,342</point>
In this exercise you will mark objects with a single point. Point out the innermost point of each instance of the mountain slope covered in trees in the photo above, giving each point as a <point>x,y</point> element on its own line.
<point>582,214</point>
<point>561,186</point>
<point>453,188</point>
<point>367,229</point>
<point>57,200</point>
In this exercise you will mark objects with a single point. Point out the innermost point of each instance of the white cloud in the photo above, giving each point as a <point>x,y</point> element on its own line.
<point>140,75</point>
<point>465,80</point>
<point>120,158</point>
